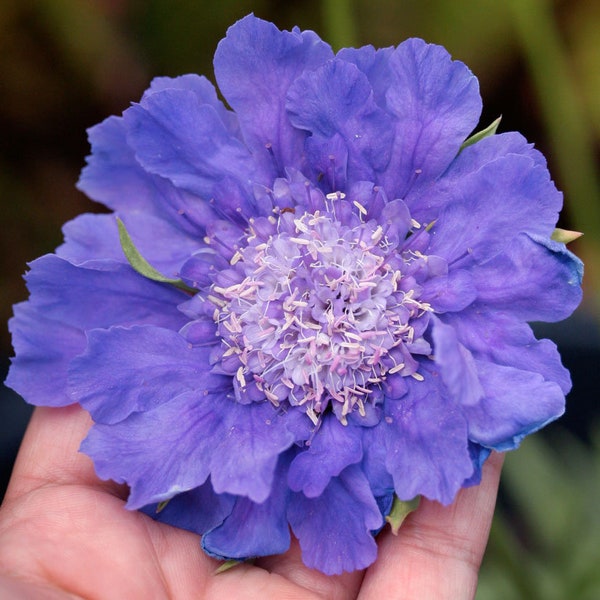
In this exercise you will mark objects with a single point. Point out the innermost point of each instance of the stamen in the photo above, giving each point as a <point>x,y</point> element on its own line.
<point>361,208</point>
<point>316,311</point>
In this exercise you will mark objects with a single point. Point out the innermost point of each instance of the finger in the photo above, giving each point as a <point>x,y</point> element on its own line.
<point>49,453</point>
<point>439,549</point>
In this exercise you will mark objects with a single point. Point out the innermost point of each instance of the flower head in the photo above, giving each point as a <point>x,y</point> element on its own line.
<point>353,286</point>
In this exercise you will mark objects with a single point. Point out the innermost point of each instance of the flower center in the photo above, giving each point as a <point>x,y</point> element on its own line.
<point>318,314</point>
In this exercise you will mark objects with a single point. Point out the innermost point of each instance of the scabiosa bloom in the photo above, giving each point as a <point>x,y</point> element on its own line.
<point>337,304</point>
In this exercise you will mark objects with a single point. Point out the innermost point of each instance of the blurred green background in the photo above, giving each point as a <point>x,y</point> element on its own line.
<point>67,64</point>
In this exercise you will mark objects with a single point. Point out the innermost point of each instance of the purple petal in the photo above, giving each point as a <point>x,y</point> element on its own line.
<point>450,293</point>
<point>396,221</point>
<point>373,464</point>
<point>334,529</point>
<point>436,103</point>
<point>426,440</point>
<point>432,199</point>
<point>244,460</point>
<point>516,404</point>
<point>69,294</point>
<point>199,270</point>
<point>456,365</point>
<point>337,99</point>
<point>95,238</point>
<point>43,347</point>
<point>332,449</point>
<point>114,177</point>
<point>501,338</point>
<point>374,63</point>
<point>491,206</point>
<point>198,510</point>
<point>487,150</point>
<point>175,137</point>
<point>136,369</point>
<point>479,455</point>
<point>48,331</point>
<point>161,452</point>
<point>535,279</point>
<point>253,529</point>
<point>205,93</point>
<point>201,332</point>
<point>254,66</point>
<point>91,237</point>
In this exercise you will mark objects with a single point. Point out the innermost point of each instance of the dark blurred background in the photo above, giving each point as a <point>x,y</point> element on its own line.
<point>67,64</point>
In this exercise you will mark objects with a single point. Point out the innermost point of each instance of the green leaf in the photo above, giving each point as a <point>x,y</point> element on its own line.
<point>565,236</point>
<point>476,137</point>
<point>141,265</point>
<point>400,510</point>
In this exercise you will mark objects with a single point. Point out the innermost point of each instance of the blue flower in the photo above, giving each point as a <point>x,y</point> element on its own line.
<point>361,286</point>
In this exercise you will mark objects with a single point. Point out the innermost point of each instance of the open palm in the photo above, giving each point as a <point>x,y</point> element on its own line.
<point>65,534</point>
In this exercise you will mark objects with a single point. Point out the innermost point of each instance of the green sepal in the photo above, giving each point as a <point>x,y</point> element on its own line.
<point>564,236</point>
<point>141,265</point>
<point>161,505</point>
<point>400,510</point>
<point>227,565</point>
<point>476,137</point>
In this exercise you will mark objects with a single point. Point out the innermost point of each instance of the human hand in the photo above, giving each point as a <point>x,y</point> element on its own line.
<point>65,534</point>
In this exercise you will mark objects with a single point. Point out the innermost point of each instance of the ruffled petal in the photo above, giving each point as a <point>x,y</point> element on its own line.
<point>337,99</point>
<point>69,294</point>
<point>516,403</point>
<point>174,136</point>
<point>254,529</point>
<point>375,64</point>
<point>48,330</point>
<point>536,279</point>
<point>436,103</point>
<point>450,293</point>
<point>44,347</point>
<point>114,177</point>
<point>487,150</point>
<point>204,91</point>
<point>373,463</point>
<point>493,205</point>
<point>334,529</point>
<point>91,240</point>
<point>244,460</point>
<point>332,449</point>
<point>254,66</point>
<point>472,158</point>
<point>425,434</point>
<point>161,452</point>
<point>146,367</point>
<point>456,365</point>
<point>501,338</point>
